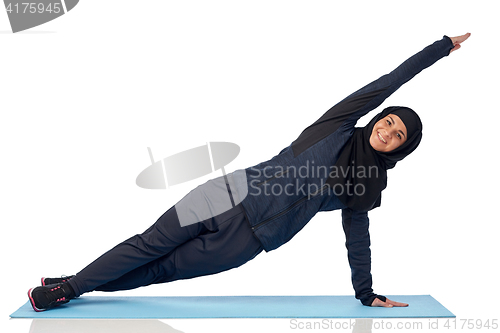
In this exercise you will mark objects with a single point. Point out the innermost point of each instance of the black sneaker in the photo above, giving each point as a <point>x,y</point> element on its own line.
<point>46,281</point>
<point>50,296</point>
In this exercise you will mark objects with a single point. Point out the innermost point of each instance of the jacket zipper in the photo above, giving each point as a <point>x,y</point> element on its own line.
<point>290,207</point>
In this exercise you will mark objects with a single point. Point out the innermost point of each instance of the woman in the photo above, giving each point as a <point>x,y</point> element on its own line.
<point>331,165</point>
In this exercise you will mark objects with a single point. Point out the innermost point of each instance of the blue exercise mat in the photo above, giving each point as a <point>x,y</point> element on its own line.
<point>120,307</point>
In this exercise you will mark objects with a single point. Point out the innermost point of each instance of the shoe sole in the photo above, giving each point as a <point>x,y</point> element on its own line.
<point>32,301</point>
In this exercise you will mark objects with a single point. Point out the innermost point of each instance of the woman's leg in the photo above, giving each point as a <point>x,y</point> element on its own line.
<point>157,241</point>
<point>232,245</point>
<point>167,252</point>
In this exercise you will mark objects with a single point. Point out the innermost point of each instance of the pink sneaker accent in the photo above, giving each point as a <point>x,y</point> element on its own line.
<point>32,301</point>
<point>63,280</point>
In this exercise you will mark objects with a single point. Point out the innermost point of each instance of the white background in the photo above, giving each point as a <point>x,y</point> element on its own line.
<point>83,96</point>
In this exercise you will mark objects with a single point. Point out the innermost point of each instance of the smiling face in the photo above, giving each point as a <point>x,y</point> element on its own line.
<point>388,134</point>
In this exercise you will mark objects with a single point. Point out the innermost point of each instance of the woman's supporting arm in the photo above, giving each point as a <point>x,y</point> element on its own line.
<point>357,242</point>
<point>355,226</point>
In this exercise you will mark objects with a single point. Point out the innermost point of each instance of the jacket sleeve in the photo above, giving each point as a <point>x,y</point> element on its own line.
<point>355,226</point>
<point>347,112</point>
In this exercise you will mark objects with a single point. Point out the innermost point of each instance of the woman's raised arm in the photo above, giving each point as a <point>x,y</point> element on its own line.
<point>347,112</point>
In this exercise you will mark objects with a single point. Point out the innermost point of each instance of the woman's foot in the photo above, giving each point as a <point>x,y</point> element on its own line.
<point>50,296</point>
<point>46,281</point>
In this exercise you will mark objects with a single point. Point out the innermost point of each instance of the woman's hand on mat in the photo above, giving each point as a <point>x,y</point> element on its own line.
<point>387,304</point>
<point>458,40</point>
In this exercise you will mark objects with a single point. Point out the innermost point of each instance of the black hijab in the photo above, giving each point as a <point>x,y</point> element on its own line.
<point>360,174</point>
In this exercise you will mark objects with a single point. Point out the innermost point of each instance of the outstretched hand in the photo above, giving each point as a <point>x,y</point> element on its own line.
<point>458,40</point>
<point>387,304</point>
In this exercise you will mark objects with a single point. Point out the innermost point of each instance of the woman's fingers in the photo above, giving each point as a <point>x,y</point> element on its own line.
<point>457,40</point>
<point>387,304</point>
<point>462,38</point>
<point>455,48</point>
<point>393,303</point>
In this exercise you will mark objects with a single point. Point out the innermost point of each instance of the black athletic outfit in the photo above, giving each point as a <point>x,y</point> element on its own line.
<point>167,252</point>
